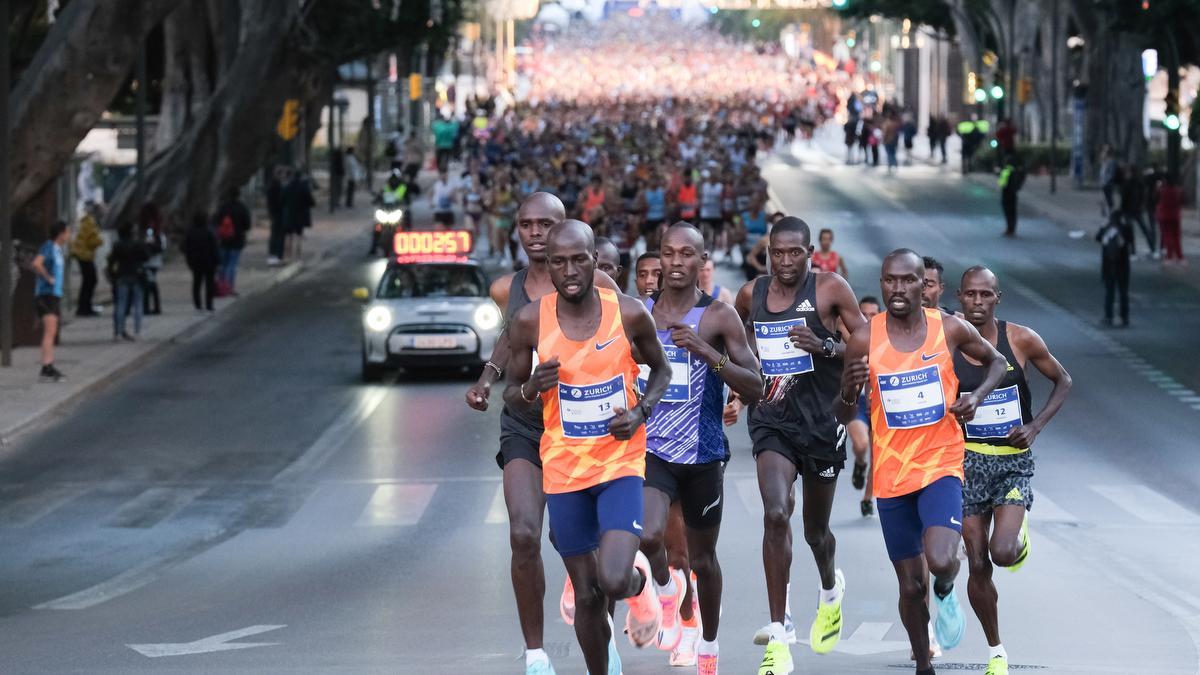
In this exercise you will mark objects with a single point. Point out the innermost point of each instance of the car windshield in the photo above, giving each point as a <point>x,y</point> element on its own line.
<point>433,281</point>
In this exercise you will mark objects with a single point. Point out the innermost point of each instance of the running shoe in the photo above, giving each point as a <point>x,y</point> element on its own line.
<point>540,668</point>
<point>935,650</point>
<point>706,664</point>
<point>997,666</point>
<point>614,659</point>
<point>645,613</point>
<point>826,629</point>
<point>859,478</point>
<point>777,660</point>
<point>950,624</point>
<point>566,603</point>
<point>1025,547</point>
<point>684,654</point>
<point>670,632</point>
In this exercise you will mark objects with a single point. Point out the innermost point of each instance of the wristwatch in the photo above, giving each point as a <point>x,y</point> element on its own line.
<point>828,348</point>
<point>645,409</point>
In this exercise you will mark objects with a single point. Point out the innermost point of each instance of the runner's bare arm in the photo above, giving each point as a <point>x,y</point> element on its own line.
<point>1026,342</point>
<point>962,336</point>
<point>845,303</point>
<point>741,372</point>
<point>478,393</point>
<point>854,374</point>
<point>643,336</point>
<point>522,336</point>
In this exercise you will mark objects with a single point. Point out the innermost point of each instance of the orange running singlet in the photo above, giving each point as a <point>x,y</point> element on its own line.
<point>595,376</point>
<point>914,440</point>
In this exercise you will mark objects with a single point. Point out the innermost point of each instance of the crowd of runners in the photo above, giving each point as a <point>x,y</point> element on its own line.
<point>616,403</point>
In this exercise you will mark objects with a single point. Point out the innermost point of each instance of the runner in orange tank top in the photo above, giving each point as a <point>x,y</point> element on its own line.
<point>593,450</point>
<point>905,358</point>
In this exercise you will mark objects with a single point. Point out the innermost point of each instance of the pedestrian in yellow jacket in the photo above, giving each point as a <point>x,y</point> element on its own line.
<point>83,249</point>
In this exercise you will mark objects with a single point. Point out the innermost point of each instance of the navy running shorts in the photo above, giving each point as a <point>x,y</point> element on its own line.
<point>904,519</point>
<point>578,518</point>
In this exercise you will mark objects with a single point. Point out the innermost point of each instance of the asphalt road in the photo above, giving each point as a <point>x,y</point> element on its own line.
<point>247,486</point>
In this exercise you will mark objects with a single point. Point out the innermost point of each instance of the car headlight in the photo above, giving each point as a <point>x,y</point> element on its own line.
<point>380,214</point>
<point>487,317</point>
<point>379,318</point>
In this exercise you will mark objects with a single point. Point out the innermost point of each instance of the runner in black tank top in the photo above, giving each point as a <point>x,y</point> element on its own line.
<point>788,317</point>
<point>998,463</point>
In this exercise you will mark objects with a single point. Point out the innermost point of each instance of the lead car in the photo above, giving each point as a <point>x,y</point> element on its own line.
<point>431,308</point>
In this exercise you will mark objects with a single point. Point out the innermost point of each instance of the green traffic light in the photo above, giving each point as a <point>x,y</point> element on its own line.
<point>756,23</point>
<point>840,4</point>
<point>850,42</point>
<point>997,92</point>
<point>980,95</point>
<point>1171,122</point>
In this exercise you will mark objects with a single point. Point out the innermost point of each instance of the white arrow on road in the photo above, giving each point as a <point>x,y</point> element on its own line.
<point>216,643</point>
<point>868,639</point>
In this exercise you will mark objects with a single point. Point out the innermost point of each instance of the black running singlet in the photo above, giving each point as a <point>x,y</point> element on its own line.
<point>1007,407</point>
<point>523,422</point>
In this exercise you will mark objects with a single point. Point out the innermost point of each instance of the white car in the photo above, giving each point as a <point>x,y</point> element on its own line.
<point>428,315</point>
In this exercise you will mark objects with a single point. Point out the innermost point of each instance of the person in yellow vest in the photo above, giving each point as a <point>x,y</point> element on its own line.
<point>83,249</point>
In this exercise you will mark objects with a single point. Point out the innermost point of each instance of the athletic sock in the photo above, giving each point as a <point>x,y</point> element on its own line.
<point>707,648</point>
<point>829,596</point>
<point>532,656</point>
<point>669,588</point>
<point>998,650</point>
<point>775,631</point>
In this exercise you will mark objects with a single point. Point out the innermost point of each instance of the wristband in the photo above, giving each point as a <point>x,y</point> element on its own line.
<point>526,398</point>
<point>721,364</point>
<point>499,372</point>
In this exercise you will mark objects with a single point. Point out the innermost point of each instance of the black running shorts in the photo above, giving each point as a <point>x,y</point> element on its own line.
<point>698,487</point>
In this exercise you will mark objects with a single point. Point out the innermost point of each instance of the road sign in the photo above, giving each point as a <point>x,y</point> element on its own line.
<point>289,122</point>
<point>216,643</point>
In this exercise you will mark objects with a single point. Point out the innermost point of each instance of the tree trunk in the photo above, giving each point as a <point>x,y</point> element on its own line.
<point>73,77</point>
<point>197,51</point>
<point>226,142</point>
<point>173,113</point>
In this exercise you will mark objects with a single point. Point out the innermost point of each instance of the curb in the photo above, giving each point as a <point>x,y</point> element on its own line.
<point>196,329</point>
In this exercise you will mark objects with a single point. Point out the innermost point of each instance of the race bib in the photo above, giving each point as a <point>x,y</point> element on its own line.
<point>680,388</point>
<point>998,414</point>
<point>775,349</point>
<point>586,410</point>
<point>913,398</point>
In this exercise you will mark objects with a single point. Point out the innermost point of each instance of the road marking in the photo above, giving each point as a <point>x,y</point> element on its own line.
<point>153,506</point>
<point>1046,511</point>
<point>748,491</point>
<point>334,437</point>
<point>1147,504</point>
<point>216,643</point>
<point>868,639</point>
<point>497,512</point>
<point>27,510</point>
<point>396,505</point>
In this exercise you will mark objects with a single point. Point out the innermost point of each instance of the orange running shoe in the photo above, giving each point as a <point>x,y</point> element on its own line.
<point>645,613</point>
<point>670,632</point>
<point>566,603</point>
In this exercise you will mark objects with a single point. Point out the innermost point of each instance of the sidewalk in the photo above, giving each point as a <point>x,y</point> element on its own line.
<point>92,361</point>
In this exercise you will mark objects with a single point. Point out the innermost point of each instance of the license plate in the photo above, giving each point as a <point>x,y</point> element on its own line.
<point>434,342</point>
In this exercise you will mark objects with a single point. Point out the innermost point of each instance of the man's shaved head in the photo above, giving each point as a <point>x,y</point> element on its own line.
<point>685,233</point>
<point>981,274</point>
<point>570,231</point>
<point>542,205</point>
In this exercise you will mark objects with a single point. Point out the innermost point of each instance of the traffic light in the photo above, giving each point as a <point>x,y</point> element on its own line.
<point>1171,118</point>
<point>1171,122</point>
<point>289,122</point>
<point>980,95</point>
<point>997,92</point>
<point>1025,90</point>
<point>841,4</point>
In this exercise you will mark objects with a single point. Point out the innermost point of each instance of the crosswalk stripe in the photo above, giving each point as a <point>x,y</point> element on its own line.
<point>497,512</point>
<point>153,506</point>
<point>1045,510</point>
<point>871,630</point>
<point>395,505</point>
<point>27,510</point>
<point>1147,504</point>
<point>748,491</point>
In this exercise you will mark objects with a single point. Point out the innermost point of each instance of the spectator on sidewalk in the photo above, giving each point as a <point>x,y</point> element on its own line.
<point>150,226</point>
<point>279,178</point>
<point>891,140</point>
<point>1110,179</point>
<point>354,176</point>
<point>908,131</point>
<point>233,222</point>
<point>202,253</point>
<point>1168,213</point>
<point>1116,247</point>
<point>1006,136</point>
<point>50,268</point>
<point>1012,179</point>
<point>445,133</point>
<point>298,203</point>
<point>126,269</point>
<point>1133,208</point>
<point>83,249</point>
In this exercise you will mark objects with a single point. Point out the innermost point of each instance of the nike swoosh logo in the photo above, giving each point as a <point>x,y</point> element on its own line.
<point>636,526</point>
<point>952,520</point>
<point>710,507</point>
<point>602,345</point>
<point>929,357</point>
